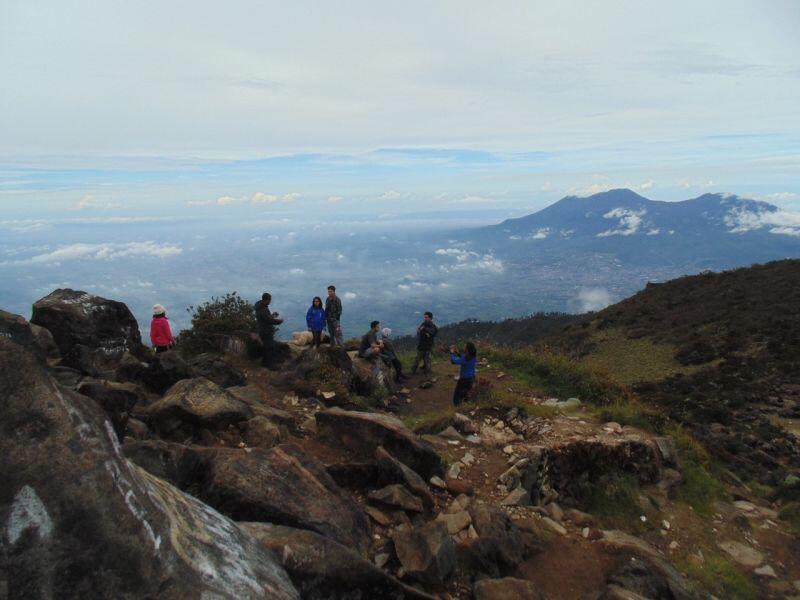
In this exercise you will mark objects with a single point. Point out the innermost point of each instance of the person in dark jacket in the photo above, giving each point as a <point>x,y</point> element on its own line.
<point>389,355</point>
<point>315,320</point>
<point>268,322</point>
<point>160,333</point>
<point>371,346</point>
<point>333,316</point>
<point>466,375</point>
<point>426,334</point>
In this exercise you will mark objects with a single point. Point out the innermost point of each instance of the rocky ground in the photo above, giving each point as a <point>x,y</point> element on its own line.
<point>132,475</point>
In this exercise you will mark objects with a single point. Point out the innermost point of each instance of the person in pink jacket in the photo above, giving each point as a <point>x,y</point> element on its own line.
<point>160,333</point>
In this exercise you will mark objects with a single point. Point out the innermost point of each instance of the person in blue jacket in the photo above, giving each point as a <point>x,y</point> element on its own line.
<point>466,375</point>
<point>315,320</point>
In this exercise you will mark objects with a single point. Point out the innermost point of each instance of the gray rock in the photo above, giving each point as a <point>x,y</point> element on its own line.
<point>215,369</point>
<point>17,329</point>
<point>517,497</point>
<point>391,470</point>
<point>455,522</point>
<point>426,552</point>
<point>742,554</point>
<point>396,495</point>
<point>81,521</point>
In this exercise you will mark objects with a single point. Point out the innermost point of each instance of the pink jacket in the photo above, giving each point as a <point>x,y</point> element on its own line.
<point>160,333</point>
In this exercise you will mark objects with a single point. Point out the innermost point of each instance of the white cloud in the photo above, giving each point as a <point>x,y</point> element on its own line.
<point>262,198</point>
<point>468,260</point>
<point>541,234</point>
<point>472,200</point>
<point>647,185</point>
<point>296,272</point>
<point>780,222</point>
<point>593,299</point>
<point>654,231</point>
<point>104,252</point>
<point>221,201</point>
<point>90,202</point>
<point>334,199</point>
<point>390,195</point>
<point>350,296</point>
<point>629,221</point>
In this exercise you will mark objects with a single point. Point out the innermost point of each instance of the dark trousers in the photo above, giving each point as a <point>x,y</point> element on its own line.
<point>423,356</point>
<point>463,386</point>
<point>316,338</point>
<point>398,369</point>
<point>161,349</point>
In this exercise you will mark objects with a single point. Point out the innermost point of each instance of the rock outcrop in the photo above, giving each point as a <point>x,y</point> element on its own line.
<point>363,433</point>
<point>81,521</point>
<point>106,328</point>
<point>18,330</point>
<point>215,369</point>
<point>322,568</point>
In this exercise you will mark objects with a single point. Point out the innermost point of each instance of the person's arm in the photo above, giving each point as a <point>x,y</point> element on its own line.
<point>309,317</point>
<point>457,359</point>
<point>169,333</point>
<point>434,330</point>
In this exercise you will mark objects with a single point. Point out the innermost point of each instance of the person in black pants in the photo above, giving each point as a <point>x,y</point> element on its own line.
<point>466,375</point>
<point>268,322</point>
<point>426,333</point>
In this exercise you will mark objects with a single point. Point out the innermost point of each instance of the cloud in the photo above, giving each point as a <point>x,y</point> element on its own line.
<point>780,197</point>
<point>593,299</point>
<point>541,234</point>
<point>472,200</point>
<point>334,199</point>
<point>780,222</point>
<point>221,201</point>
<point>629,221</point>
<point>106,251</point>
<point>90,202</point>
<point>647,185</point>
<point>262,198</point>
<point>350,296</point>
<point>296,272</point>
<point>390,195</point>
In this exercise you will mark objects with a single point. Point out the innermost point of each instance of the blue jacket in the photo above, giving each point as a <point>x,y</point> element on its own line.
<point>467,365</point>
<point>315,319</point>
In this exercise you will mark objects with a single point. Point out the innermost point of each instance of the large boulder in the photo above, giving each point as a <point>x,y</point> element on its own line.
<point>507,588</point>
<point>80,521</point>
<point>322,568</point>
<point>215,369</point>
<point>106,327</point>
<point>116,399</point>
<point>282,485</point>
<point>192,405</point>
<point>165,370</point>
<point>363,433</point>
<point>370,377</point>
<point>18,330</point>
<point>426,552</point>
<point>45,340</point>
<point>285,486</point>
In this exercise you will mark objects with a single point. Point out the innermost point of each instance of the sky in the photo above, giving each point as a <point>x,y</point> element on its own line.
<point>180,107</point>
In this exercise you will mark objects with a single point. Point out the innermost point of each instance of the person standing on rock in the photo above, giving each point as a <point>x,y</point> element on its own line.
<point>160,332</point>
<point>426,333</point>
<point>389,355</point>
<point>466,375</point>
<point>315,320</point>
<point>268,322</point>
<point>333,316</point>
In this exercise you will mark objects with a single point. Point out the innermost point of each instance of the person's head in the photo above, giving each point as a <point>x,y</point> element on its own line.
<point>428,316</point>
<point>316,302</point>
<point>331,291</point>
<point>470,350</point>
<point>266,298</point>
<point>386,332</point>
<point>159,311</point>
<point>375,325</point>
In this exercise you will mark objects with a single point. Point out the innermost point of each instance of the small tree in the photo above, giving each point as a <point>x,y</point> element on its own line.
<point>220,316</point>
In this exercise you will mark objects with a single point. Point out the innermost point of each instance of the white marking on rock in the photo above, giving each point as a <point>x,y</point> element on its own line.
<point>28,512</point>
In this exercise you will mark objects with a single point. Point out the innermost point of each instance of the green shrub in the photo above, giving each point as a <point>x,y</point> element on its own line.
<point>635,414</point>
<point>791,514</point>
<point>614,500</point>
<point>701,485</point>
<point>719,576</point>
<point>223,315</point>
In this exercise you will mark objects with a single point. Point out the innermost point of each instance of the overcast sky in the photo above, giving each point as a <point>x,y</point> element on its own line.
<point>119,105</point>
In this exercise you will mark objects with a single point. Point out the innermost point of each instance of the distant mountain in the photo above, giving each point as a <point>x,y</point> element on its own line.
<point>711,231</point>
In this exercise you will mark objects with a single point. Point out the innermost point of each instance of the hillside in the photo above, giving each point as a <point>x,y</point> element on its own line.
<point>719,351</point>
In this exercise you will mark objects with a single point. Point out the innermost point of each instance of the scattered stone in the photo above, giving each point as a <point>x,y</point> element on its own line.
<point>468,460</point>
<point>667,449</point>
<point>455,522</point>
<point>327,395</point>
<point>507,588</point>
<point>517,497</point>
<point>765,571</point>
<point>450,433</point>
<point>501,546</point>
<point>438,482</point>
<point>673,545</point>
<point>742,554</point>
<point>745,506</point>
<point>460,486</point>
<point>613,426</point>
<point>398,496</point>
<point>578,518</point>
<point>391,470</point>
<point>380,517</point>
<point>464,424</point>
<point>381,559</point>
<point>426,552</point>
<point>665,524</point>
<point>425,385</point>
<point>554,525</point>
<point>508,450</point>
<point>454,471</point>
<point>260,432</point>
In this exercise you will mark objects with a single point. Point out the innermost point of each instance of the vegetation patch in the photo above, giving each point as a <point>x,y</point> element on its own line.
<point>719,576</point>
<point>701,485</point>
<point>614,499</point>
<point>635,414</point>
<point>214,319</point>
<point>791,514</point>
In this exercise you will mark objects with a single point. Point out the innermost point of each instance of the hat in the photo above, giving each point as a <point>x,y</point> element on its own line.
<point>386,332</point>
<point>159,310</point>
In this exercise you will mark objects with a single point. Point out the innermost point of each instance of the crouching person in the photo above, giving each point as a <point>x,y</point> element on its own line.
<point>466,375</point>
<point>389,355</point>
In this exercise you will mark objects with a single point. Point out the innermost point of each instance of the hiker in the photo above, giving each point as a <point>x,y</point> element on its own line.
<point>371,346</point>
<point>267,326</point>
<point>315,320</point>
<point>466,374</point>
<point>160,333</point>
<point>426,333</point>
<point>333,316</point>
<point>389,355</point>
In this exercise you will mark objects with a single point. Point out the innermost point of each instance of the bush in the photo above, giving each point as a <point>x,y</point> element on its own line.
<point>220,316</point>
